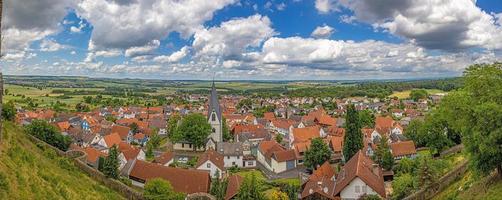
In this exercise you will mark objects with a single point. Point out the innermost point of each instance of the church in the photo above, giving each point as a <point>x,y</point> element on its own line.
<point>214,118</point>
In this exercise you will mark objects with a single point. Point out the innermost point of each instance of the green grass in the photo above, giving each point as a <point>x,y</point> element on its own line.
<point>406,93</point>
<point>269,186</point>
<point>29,171</point>
<point>471,187</point>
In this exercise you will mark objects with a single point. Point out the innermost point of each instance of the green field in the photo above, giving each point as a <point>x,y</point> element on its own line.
<point>28,171</point>
<point>406,93</point>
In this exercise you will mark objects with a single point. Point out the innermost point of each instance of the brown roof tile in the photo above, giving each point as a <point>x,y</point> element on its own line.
<point>212,156</point>
<point>234,184</point>
<point>403,148</point>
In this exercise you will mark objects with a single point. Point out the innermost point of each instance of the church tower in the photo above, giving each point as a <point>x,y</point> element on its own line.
<point>214,116</point>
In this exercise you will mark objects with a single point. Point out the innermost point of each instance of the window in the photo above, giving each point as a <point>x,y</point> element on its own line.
<point>214,130</point>
<point>238,157</point>
<point>365,189</point>
<point>208,165</point>
<point>250,163</point>
<point>213,117</point>
<point>358,189</point>
<point>233,163</point>
<point>228,157</point>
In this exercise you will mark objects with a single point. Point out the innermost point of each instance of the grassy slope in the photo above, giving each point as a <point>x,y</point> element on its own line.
<point>406,93</point>
<point>30,172</point>
<point>471,187</point>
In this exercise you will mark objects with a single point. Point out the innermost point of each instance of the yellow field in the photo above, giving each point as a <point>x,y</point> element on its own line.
<point>406,93</point>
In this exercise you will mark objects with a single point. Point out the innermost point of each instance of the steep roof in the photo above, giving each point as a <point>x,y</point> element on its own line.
<point>93,154</point>
<point>307,133</point>
<point>337,143</point>
<point>269,116</point>
<point>273,149</point>
<point>214,104</point>
<point>403,148</point>
<point>164,157</point>
<point>234,183</point>
<point>212,156</point>
<point>123,131</point>
<point>188,181</point>
<point>112,139</point>
<point>128,151</point>
<point>363,167</point>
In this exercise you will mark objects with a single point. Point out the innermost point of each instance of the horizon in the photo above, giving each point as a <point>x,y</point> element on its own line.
<point>266,40</point>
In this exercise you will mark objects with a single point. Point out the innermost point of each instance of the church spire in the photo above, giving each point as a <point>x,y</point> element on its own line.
<point>214,104</point>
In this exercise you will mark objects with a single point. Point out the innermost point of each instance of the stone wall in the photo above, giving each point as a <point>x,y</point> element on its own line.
<point>445,181</point>
<point>78,158</point>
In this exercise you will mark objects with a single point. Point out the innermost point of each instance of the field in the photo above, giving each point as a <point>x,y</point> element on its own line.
<point>406,93</point>
<point>28,171</point>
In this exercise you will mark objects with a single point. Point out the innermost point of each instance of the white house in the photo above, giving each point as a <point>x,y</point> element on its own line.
<point>213,162</point>
<point>359,176</point>
<point>232,153</point>
<point>275,157</point>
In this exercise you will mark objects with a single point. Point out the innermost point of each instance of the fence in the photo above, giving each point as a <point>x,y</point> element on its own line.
<point>78,158</point>
<point>445,181</point>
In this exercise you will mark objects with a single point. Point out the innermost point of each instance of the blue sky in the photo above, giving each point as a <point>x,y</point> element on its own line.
<point>244,39</point>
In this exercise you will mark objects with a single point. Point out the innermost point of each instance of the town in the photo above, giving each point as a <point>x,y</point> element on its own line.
<point>215,147</point>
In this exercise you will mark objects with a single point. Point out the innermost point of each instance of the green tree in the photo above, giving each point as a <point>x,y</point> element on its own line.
<point>82,107</point>
<point>111,165</point>
<point>218,187</point>
<point>405,166</point>
<point>160,189</point>
<point>245,102</point>
<point>149,151</point>
<point>435,133</point>
<point>278,138</point>
<point>134,127</point>
<point>48,133</point>
<point>317,154</point>
<point>383,156</point>
<point>353,135</point>
<point>366,118</point>
<point>418,94</point>
<point>251,189</point>
<point>172,125</point>
<point>195,129</point>
<point>9,111</point>
<point>403,186</point>
<point>278,195</point>
<point>476,112</point>
<point>414,132</point>
<point>225,131</point>
<point>427,175</point>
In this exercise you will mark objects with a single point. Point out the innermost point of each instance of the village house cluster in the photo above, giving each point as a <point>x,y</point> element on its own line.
<point>253,144</point>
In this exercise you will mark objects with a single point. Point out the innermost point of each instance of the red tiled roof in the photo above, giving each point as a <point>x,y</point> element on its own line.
<point>233,186</point>
<point>273,149</point>
<point>164,157</point>
<point>212,156</point>
<point>93,154</point>
<point>360,166</point>
<point>129,151</point>
<point>403,148</point>
<point>63,126</point>
<point>188,181</point>
<point>337,143</point>
<point>269,116</point>
<point>307,133</point>
<point>283,123</point>
<point>123,131</point>
<point>112,139</point>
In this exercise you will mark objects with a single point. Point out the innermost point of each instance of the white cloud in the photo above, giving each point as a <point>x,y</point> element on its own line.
<point>73,52</point>
<point>174,57</point>
<point>232,38</point>
<point>119,25</point>
<point>281,6</point>
<point>322,32</point>
<point>142,50</point>
<point>325,6</point>
<point>436,24</point>
<point>50,45</point>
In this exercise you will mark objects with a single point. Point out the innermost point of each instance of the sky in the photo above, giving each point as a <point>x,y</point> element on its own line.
<point>250,40</point>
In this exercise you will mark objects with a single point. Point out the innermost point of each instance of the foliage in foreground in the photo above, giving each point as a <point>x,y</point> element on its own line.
<point>46,132</point>
<point>159,189</point>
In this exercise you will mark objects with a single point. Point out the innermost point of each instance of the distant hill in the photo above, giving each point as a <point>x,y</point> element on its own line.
<point>28,171</point>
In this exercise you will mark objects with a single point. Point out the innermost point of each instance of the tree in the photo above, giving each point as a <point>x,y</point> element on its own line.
<point>475,111</point>
<point>82,107</point>
<point>353,140</point>
<point>134,127</point>
<point>317,154</point>
<point>426,173</point>
<point>278,195</point>
<point>383,156</point>
<point>435,133</point>
<point>251,189</point>
<point>111,165</point>
<point>48,133</point>
<point>366,118</point>
<point>225,131</point>
<point>160,189</point>
<point>149,151</point>
<point>414,132</point>
<point>403,186</point>
<point>172,123</point>
<point>9,111</point>
<point>405,166</point>
<point>418,94</point>
<point>245,102</point>
<point>218,187</point>
<point>195,129</point>
<point>278,138</point>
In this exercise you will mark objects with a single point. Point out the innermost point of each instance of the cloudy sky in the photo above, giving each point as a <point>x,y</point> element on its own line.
<point>244,39</point>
